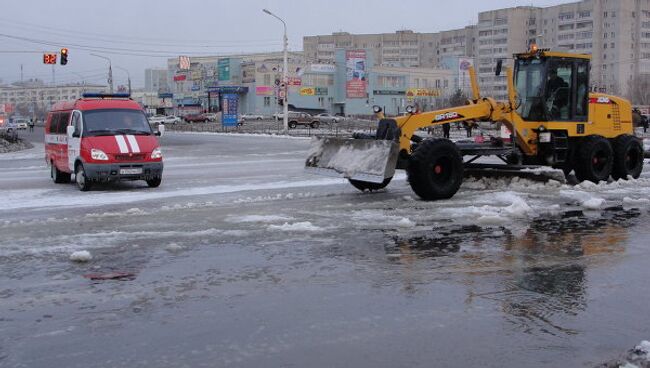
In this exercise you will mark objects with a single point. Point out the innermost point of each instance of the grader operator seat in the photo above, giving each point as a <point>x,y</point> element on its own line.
<point>552,87</point>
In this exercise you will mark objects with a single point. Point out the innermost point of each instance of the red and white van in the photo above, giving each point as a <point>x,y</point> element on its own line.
<point>102,138</point>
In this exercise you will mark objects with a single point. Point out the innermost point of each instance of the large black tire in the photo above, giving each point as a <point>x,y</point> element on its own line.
<point>293,125</point>
<point>59,176</point>
<point>371,187</point>
<point>154,183</point>
<point>82,181</point>
<point>435,169</point>
<point>594,159</point>
<point>628,157</point>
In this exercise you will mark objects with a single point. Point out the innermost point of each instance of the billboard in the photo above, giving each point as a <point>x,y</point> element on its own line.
<point>294,81</point>
<point>323,68</point>
<point>223,67</point>
<point>356,74</point>
<point>264,91</point>
<point>422,92</point>
<point>230,110</point>
<point>307,91</point>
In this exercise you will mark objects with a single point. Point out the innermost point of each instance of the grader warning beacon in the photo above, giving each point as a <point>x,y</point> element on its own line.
<point>555,123</point>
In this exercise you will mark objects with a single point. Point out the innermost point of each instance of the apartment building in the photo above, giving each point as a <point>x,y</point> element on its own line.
<point>615,32</point>
<point>40,95</point>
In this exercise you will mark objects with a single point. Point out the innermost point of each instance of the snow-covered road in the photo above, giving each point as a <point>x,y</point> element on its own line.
<point>242,259</point>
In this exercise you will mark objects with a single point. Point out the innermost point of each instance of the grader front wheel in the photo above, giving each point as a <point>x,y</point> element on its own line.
<point>435,170</point>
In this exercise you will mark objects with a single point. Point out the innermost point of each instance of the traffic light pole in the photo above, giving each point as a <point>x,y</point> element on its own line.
<point>285,78</point>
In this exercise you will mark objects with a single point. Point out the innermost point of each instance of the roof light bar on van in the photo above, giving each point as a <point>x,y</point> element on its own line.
<point>106,95</point>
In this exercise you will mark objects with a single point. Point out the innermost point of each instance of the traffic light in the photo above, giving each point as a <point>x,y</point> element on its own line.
<point>64,56</point>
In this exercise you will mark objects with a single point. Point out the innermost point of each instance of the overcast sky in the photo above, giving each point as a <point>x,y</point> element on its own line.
<point>137,34</point>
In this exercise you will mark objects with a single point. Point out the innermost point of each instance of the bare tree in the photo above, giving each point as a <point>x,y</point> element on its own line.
<point>639,91</point>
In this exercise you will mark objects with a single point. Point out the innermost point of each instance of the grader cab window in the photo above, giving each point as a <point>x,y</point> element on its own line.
<point>552,89</point>
<point>530,88</point>
<point>559,103</point>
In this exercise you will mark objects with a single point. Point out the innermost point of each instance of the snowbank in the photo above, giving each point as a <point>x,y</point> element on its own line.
<point>295,227</point>
<point>81,256</point>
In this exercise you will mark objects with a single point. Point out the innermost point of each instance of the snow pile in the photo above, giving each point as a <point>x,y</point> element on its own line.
<point>259,135</point>
<point>586,200</point>
<point>173,248</point>
<point>260,218</point>
<point>81,256</point>
<point>295,227</point>
<point>405,223</point>
<point>631,202</point>
<point>639,357</point>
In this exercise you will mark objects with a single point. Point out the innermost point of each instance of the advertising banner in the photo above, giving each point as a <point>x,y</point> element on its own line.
<point>264,91</point>
<point>230,110</point>
<point>323,68</point>
<point>321,91</point>
<point>388,93</point>
<point>308,91</point>
<point>294,81</point>
<point>180,77</point>
<point>422,92</point>
<point>356,73</point>
<point>223,67</point>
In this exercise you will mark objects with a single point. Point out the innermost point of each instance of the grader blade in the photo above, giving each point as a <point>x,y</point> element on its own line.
<point>534,173</point>
<point>366,160</point>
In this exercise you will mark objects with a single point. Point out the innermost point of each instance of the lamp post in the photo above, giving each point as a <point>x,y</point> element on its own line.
<point>285,69</point>
<point>110,70</point>
<point>127,74</point>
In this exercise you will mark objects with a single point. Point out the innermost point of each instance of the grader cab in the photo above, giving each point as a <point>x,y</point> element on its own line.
<point>556,123</point>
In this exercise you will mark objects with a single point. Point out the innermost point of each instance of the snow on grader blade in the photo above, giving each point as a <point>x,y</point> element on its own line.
<point>367,160</point>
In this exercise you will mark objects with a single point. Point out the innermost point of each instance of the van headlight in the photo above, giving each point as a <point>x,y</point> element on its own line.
<point>156,154</point>
<point>98,155</point>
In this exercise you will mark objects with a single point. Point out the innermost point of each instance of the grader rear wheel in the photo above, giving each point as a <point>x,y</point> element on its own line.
<point>594,159</point>
<point>628,157</point>
<point>435,170</point>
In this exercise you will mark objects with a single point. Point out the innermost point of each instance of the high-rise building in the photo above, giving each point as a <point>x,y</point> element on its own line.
<point>615,32</point>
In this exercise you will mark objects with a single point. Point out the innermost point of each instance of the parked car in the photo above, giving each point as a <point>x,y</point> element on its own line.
<point>211,116</point>
<point>326,118</point>
<point>195,118</point>
<point>302,118</point>
<point>164,119</point>
<point>245,117</point>
<point>17,124</point>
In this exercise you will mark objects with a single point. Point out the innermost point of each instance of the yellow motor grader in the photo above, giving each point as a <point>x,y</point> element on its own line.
<point>555,123</point>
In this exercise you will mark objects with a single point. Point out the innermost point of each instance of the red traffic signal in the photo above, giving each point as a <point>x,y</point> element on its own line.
<point>64,56</point>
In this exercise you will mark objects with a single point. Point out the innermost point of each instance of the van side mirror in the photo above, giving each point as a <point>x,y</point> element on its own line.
<point>70,131</point>
<point>497,72</point>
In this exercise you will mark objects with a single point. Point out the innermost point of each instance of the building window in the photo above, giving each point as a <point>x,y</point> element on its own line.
<point>267,101</point>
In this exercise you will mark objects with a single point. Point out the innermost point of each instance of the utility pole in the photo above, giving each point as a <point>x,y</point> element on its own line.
<point>285,77</point>
<point>110,71</point>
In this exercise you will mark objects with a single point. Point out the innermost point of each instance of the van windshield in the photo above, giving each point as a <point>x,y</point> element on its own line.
<point>115,122</point>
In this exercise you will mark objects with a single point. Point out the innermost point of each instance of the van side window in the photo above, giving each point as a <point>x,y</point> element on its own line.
<point>76,123</point>
<point>64,118</point>
<point>52,123</point>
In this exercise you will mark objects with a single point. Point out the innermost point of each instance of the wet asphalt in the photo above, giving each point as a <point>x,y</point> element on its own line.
<point>312,276</point>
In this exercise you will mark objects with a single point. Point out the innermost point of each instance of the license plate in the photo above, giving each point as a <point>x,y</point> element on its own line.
<point>131,171</point>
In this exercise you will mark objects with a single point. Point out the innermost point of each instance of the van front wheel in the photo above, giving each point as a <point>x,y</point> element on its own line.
<point>82,181</point>
<point>154,183</point>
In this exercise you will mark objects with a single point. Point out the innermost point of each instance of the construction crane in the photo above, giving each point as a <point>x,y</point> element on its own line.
<point>555,123</point>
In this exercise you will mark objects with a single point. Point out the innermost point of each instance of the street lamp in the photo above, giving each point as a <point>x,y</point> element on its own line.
<point>110,70</point>
<point>285,78</point>
<point>127,74</point>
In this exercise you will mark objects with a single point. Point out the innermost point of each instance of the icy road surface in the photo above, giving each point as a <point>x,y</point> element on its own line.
<point>240,259</point>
